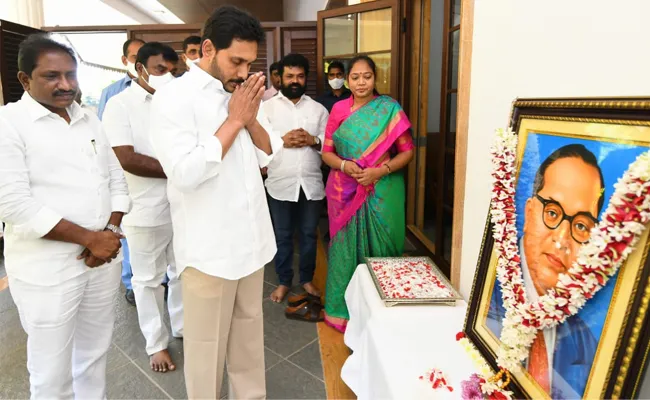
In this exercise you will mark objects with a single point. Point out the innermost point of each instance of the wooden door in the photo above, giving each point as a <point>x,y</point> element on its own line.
<point>11,35</point>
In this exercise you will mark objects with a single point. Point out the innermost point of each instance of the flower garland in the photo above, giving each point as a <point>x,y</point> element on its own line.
<point>611,242</point>
<point>484,384</point>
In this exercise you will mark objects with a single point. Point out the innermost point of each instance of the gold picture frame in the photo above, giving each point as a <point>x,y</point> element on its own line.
<point>615,331</point>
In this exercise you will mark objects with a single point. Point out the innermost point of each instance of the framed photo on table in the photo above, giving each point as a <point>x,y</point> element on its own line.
<point>570,153</point>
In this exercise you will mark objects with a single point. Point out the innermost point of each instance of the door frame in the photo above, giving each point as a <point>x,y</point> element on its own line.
<point>418,61</point>
<point>396,41</point>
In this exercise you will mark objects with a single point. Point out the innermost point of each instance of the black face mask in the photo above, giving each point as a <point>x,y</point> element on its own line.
<point>293,91</point>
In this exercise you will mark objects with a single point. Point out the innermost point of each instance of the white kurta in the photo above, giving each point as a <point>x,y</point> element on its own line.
<point>297,168</point>
<point>50,170</point>
<point>222,225</point>
<point>148,226</point>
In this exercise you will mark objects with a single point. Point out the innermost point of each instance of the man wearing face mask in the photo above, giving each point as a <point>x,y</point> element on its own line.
<point>191,47</point>
<point>149,226</point>
<point>129,54</point>
<point>295,183</point>
<point>336,79</point>
<point>211,146</point>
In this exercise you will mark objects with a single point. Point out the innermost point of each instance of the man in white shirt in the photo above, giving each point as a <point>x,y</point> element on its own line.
<point>274,77</point>
<point>149,225</point>
<point>62,196</point>
<point>211,146</point>
<point>295,183</point>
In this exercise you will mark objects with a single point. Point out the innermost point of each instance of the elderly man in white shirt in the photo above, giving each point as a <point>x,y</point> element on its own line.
<point>149,225</point>
<point>295,182</point>
<point>62,196</point>
<point>211,146</point>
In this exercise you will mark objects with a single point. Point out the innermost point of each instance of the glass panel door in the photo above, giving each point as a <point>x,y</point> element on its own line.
<point>365,28</point>
<point>431,212</point>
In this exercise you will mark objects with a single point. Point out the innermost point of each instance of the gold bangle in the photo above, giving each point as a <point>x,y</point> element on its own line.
<point>343,165</point>
<point>388,166</point>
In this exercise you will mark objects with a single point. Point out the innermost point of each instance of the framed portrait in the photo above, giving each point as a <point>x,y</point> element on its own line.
<point>570,154</point>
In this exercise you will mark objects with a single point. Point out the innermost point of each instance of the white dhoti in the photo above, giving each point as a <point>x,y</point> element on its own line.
<point>69,328</point>
<point>152,256</point>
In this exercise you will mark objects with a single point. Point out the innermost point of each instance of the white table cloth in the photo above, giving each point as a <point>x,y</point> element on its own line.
<point>392,347</point>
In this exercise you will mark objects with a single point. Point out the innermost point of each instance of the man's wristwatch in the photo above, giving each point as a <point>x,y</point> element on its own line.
<point>115,229</point>
<point>316,141</point>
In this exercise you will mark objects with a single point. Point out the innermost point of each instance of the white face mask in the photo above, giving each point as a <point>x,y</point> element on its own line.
<point>131,68</point>
<point>190,63</point>
<point>336,83</point>
<point>156,82</point>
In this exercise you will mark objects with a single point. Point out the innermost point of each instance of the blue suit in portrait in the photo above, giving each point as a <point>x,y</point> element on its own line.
<point>575,348</point>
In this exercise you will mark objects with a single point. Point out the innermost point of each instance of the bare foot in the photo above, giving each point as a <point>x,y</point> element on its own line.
<point>162,362</point>
<point>311,289</point>
<point>280,293</point>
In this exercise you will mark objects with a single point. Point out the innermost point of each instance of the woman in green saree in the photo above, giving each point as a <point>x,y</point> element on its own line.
<point>367,141</point>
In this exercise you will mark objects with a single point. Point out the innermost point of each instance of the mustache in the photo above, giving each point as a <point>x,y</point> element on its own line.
<point>58,93</point>
<point>237,81</point>
<point>294,86</point>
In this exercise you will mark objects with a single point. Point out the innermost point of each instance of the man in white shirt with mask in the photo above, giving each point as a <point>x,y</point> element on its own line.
<point>191,48</point>
<point>211,146</point>
<point>148,226</point>
<point>295,181</point>
<point>62,196</point>
<point>129,53</point>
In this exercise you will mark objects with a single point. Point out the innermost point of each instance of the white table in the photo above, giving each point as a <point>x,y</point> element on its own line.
<point>392,347</point>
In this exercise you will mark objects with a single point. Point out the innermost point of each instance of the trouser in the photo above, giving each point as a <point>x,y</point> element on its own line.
<point>152,255</point>
<point>223,323</point>
<point>126,266</point>
<point>69,328</point>
<point>287,217</point>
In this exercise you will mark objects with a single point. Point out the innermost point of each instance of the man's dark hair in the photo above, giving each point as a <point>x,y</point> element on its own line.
<point>191,40</point>
<point>570,151</point>
<point>153,49</point>
<point>336,64</point>
<point>274,67</point>
<point>36,44</point>
<point>229,22</point>
<point>125,46</point>
<point>294,60</point>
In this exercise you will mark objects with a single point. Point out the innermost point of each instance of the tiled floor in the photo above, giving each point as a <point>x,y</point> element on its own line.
<point>293,360</point>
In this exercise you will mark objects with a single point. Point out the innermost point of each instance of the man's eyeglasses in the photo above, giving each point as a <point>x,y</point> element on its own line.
<point>581,223</point>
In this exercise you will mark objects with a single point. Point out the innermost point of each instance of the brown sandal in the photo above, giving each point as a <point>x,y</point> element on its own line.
<point>295,301</point>
<point>306,311</point>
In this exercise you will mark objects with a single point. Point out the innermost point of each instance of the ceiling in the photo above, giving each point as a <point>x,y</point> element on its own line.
<point>198,11</point>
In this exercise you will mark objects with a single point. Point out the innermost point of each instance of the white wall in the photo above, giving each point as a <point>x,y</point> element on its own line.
<point>551,48</point>
<point>302,10</point>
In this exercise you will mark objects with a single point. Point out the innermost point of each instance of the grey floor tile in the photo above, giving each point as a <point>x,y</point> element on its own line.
<point>128,382</point>
<point>173,382</point>
<point>116,359</point>
<point>282,335</point>
<point>269,274</point>
<point>270,358</point>
<point>286,381</point>
<point>11,331</point>
<point>6,302</point>
<point>14,378</point>
<point>309,359</point>
<point>268,289</point>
